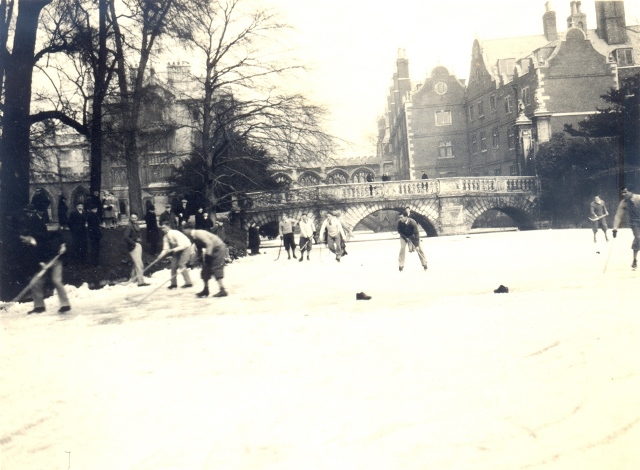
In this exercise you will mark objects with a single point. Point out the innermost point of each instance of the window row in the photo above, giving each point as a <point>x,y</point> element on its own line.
<point>481,139</point>
<point>476,110</point>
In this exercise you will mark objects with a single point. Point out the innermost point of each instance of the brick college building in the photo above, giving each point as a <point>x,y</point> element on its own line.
<point>520,91</point>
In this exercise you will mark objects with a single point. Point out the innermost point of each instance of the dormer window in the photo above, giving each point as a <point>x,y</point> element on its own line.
<point>624,57</point>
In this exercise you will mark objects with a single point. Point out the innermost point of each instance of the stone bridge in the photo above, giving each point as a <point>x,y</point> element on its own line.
<point>446,206</point>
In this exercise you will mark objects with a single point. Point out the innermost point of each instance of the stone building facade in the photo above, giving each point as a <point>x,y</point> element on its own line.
<point>520,91</point>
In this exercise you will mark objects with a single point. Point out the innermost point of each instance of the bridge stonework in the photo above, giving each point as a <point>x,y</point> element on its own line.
<point>447,206</point>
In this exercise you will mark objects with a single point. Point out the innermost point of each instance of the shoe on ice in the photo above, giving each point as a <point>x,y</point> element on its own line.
<point>400,268</point>
<point>634,265</point>
<point>64,309</point>
<point>221,293</point>
<point>144,284</point>
<point>501,290</point>
<point>37,310</point>
<point>362,296</point>
<point>186,286</point>
<point>203,293</point>
<point>172,287</point>
<point>301,259</point>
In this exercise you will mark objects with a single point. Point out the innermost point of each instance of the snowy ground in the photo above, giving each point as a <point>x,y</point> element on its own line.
<point>291,372</point>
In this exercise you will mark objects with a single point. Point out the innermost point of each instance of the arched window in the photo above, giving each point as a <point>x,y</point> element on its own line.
<point>283,180</point>
<point>362,176</point>
<point>309,179</point>
<point>337,177</point>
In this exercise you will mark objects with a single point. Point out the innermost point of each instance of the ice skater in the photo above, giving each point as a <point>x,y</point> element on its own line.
<point>629,208</point>
<point>598,217</point>
<point>178,245</point>
<point>214,251</point>
<point>334,237</point>
<point>409,235</point>
<point>307,233</point>
<point>285,230</point>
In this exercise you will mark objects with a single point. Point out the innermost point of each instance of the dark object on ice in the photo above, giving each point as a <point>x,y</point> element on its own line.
<point>501,290</point>
<point>362,296</point>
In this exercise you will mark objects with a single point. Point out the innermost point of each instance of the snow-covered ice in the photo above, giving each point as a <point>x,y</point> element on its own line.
<point>292,372</point>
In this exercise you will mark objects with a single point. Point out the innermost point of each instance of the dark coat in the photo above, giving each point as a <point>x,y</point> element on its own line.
<point>132,236</point>
<point>77,224</point>
<point>200,225</point>
<point>254,238</point>
<point>93,225</point>
<point>409,230</point>
<point>153,232</point>
<point>63,211</point>
<point>170,217</point>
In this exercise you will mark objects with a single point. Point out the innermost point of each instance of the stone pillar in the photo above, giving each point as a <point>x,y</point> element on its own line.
<point>524,143</point>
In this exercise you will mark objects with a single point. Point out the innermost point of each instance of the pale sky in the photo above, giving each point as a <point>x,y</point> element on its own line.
<point>351,47</point>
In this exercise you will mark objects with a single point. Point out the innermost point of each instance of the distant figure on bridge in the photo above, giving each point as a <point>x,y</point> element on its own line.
<point>334,237</point>
<point>409,235</point>
<point>629,207</point>
<point>425,176</point>
<point>369,178</point>
<point>598,217</point>
<point>285,230</point>
<point>385,177</point>
<point>307,232</point>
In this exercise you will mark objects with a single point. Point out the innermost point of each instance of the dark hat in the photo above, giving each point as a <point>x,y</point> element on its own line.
<point>29,208</point>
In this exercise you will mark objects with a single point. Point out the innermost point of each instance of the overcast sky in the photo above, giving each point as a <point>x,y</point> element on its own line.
<point>351,46</point>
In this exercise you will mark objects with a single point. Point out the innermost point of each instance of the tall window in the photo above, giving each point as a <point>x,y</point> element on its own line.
<point>492,103</point>
<point>513,170</point>
<point>474,144</point>
<point>480,109</point>
<point>512,138</point>
<point>526,95</point>
<point>624,57</point>
<point>483,141</point>
<point>495,137</point>
<point>508,104</point>
<point>472,112</point>
<point>446,149</point>
<point>443,118</point>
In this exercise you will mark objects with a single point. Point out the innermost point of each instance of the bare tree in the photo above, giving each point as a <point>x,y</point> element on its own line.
<point>241,100</point>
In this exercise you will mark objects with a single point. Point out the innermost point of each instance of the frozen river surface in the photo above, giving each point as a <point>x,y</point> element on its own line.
<point>292,372</point>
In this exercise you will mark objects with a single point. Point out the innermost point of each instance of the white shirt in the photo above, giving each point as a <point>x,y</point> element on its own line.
<point>307,228</point>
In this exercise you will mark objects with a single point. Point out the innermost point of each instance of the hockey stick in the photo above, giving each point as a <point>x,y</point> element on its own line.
<point>597,218</point>
<point>279,250</point>
<point>35,278</point>
<point>608,256</point>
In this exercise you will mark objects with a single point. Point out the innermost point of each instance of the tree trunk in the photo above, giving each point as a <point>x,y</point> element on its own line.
<point>14,148</point>
<point>100,90</point>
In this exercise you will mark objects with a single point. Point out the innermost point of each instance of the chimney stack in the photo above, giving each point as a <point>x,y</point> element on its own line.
<point>577,18</point>
<point>549,23</point>
<point>611,23</point>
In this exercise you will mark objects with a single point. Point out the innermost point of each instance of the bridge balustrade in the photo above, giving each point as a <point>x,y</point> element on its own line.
<point>395,189</point>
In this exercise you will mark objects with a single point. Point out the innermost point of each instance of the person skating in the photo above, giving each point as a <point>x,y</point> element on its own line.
<point>178,245</point>
<point>133,240</point>
<point>307,232</point>
<point>629,208</point>
<point>42,246</point>
<point>335,237</point>
<point>409,234</point>
<point>285,230</point>
<point>598,217</point>
<point>213,251</point>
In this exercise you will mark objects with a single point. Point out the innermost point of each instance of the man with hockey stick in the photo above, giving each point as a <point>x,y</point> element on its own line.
<point>43,249</point>
<point>307,232</point>
<point>213,250</point>
<point>285,230</point>
<point>335,237</point>
<point>629,207</point>
<point>134,246</point>
<point>409,235</point>
<point>598,217</point>
<point>178,245</point>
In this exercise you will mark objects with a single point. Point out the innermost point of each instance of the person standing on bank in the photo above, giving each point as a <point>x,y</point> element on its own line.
<point>169,216</point>
<point>307,232</point>
<point>42,246</point>
<point>334,237</point>
<point>153,231</point>
<point>598,217</point>
<point>214,252</point>
<point>63,211</point>
<point>178,245</point>
<point>254,239</point>
<point>95,234</point>
<point>134,246</point>
<point>183,213</point>
<point>78,226</point>
<point>41,202</point>
<point>629,208</point>
<point>409,235</point>
<point>285,230</point>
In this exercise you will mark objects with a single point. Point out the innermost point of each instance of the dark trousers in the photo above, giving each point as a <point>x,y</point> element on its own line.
<point>94,257</point>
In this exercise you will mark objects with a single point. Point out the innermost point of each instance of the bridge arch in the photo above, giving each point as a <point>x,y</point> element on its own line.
<point>520,209</point>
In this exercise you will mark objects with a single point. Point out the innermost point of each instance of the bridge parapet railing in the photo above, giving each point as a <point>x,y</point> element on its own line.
<point>394,189</point>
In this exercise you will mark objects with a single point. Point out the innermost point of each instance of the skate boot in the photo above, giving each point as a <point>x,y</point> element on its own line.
<point>203,293</point>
